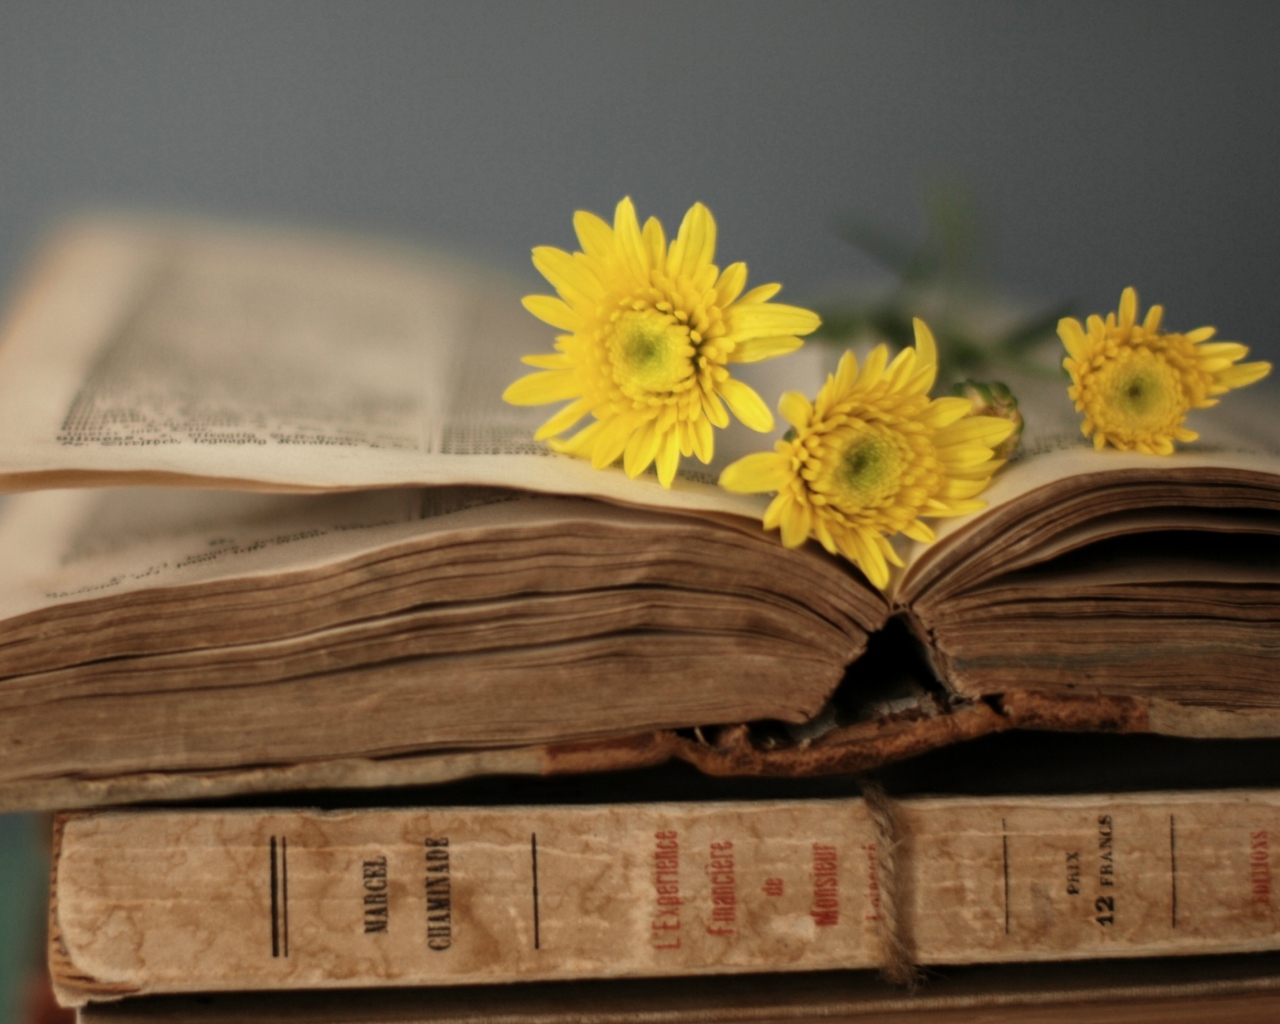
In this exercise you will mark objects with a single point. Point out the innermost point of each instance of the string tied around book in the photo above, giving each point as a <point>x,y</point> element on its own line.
<point>897,966</point>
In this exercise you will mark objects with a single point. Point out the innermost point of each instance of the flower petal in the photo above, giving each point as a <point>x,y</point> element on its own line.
<point>668,458</point>
<point>1242,375</point>
<point>773,514</point>
<point>626,229</point>
<point>796,520</point>
<point>873,367</point>
<point>983,430</point>
<point>926,359</point>
<point>685,429</point>
<point>1231,351</point>
<point>549,361</point>
<point>901,370</point>
<point>541,388</point>
<point>769,319</point>
<point>917,530</point>
<point>748,406</point>
<point>581,443</point>
<point>957,508</point>
<point>1128,307</point>
<point>614,435</point>
<point>704,440</point>
<point>594,234</point>
<point>757,473</point>
<point>796,409</point>
<point>655,241</point>
<point>887,549</point>
<point>563,420</point>
<point>760,293</point>
<point>957,488</point>
<point>963,456</point>
<point>576,284</point>
<point>1073,338</point>
<point>641,449</point>
<point>822,535</point>
<point>756,350</point>
<point>714,410</point>
<point>731,283</point>
<point>944,411</point>
<point>870,559</point>
<point>553,311</point>
<point>695,244</point>
<point>846,373</point>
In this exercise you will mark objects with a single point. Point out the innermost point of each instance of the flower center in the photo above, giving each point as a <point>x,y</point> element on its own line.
<point>650,352</point>
<point>1143,391</point>
<point>864,469</point>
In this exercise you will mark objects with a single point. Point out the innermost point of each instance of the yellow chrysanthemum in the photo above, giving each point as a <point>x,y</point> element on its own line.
<point>870,456</point>
<point>652,331</point>
<point>1135,384</point>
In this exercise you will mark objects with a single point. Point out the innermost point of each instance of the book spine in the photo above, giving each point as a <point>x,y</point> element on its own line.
<point>181,901</point>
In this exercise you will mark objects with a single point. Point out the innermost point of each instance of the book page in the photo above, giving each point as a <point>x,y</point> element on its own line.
<point>388,623</point>
<point>63,547</point>
<point>120,572</point>
<point>171,352</point>
<point>1240,434</point>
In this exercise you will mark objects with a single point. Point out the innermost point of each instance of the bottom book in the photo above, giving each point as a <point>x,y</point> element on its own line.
<point>1222,990</point>
<point>165,901</point>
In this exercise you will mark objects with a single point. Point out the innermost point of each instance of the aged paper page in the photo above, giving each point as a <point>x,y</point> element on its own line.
<point>1241,435</point>
<point>167,352</point>
<point>64,547</point>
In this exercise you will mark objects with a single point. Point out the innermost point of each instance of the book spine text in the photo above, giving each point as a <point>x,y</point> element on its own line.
<point>171,901</point>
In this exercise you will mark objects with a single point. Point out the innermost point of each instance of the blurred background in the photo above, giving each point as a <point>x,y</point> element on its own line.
<point>1063,150</point>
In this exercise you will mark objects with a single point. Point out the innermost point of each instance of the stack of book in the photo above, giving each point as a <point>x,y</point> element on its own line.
<point>282,540</point>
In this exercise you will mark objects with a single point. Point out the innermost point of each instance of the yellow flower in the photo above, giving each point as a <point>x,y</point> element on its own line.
<point>653,330</point>
<point>1135,384</point>
<point>870,456</point>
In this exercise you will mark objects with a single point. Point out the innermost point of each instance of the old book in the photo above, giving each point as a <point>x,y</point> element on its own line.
<point>462,601</point>
<point>1225,990</point>
<point>169,901</point>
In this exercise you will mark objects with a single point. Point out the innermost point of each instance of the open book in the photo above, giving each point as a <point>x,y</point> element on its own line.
<point>369,573</point>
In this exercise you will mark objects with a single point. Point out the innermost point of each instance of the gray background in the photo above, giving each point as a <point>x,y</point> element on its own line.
<point>1116,144</point>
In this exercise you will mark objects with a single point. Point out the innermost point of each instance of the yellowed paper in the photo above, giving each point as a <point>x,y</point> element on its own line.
<point>198,354</point>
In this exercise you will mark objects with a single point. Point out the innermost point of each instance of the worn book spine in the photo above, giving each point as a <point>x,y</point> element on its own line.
<point>217,900</point>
